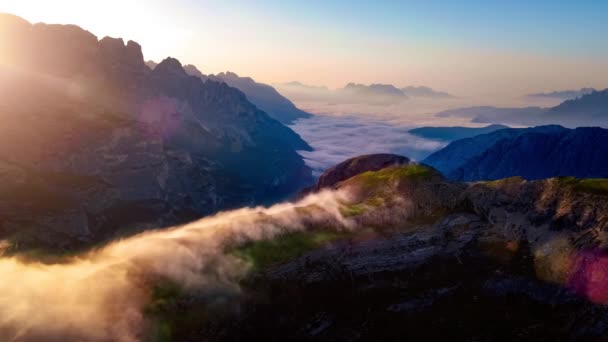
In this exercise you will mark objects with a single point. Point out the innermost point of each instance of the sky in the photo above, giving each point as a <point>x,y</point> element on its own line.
<point>469,48</point>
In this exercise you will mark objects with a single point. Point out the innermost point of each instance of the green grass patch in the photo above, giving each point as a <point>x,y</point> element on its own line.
<point>353,210</point>
<point>265,253</point>
<point>594,186</point>
<point>410,172</point>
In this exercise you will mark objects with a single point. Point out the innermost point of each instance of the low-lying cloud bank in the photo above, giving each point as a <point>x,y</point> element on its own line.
<point>337,138</point>
<point>100,296</point>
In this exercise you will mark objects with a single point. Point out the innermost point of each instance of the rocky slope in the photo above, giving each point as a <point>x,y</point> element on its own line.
<point>93,141</point>
<point>262,95</point>
<point>427,258</point>
<point>533,153</point>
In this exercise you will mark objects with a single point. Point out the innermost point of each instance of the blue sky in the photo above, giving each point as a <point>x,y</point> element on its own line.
<point>468,47</point>
<point>542,26</point>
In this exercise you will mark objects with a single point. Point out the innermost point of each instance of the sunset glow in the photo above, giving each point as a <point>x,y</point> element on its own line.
<point>473,56</point>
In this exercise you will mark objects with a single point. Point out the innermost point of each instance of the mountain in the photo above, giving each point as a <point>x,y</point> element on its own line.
<point>152,64</point>
<point>193,71</point>
<point>592,106</point>
<point>489,114</point>
<point>354,93</point>
<point>588,110</point>
<point>388,253</point>
<point>532,153</point>
<point>265,97</point>
<point>297,91</point>
<point>93,141</point>
<point>373,93</point>
<point>406,254</point>
<point>453,133</point>
<point>296,84</point>
<point>262,95</point>
<point>425,92</point>
<point>354,166</point>
<point>564,94</point>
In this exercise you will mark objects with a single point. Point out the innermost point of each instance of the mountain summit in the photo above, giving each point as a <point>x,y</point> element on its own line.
<point>93,140</point>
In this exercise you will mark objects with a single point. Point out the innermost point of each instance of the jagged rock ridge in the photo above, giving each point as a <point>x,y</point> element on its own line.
<point>93,141</point>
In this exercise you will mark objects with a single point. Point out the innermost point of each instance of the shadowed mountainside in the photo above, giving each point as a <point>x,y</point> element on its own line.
<point>93,141</point>
<point>532,153</point>
<point>262,95</point>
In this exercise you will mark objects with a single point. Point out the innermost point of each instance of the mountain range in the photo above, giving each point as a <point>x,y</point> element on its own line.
<point>590,109</point>
<point>262,95</point>
<point>93,141</point>
<point>563,94</point>
<point>533,153</point>
<point>355,93</point>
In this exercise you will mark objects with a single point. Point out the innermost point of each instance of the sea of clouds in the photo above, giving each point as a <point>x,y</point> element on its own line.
<point>337,138</point>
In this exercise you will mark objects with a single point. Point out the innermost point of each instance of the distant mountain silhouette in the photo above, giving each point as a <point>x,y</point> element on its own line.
<point>592,106</point>
<point>425,92</point>
<point>262,95</point>
<point>152,64</point>
<point>265,97</point>
<point>355,93</point>
<point>373,94</point>
<point>297,84</point>
<point>453,133</point>
<point>564,94</point>
<point>532,153</point>
<point>93,140</point>
<point>588,110</point>
<point>193,71</point>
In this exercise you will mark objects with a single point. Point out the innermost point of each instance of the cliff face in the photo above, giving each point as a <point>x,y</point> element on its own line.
<point>94,141</point>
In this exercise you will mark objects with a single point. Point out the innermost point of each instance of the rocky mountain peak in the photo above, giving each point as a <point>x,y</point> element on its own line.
<point>192,70</point>
<point>114,51</point>
<point>358,165</point>
<point>170,67</point>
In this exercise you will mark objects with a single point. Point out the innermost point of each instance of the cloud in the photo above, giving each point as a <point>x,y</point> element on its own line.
<point>100,296</point>
<point>337,138</point>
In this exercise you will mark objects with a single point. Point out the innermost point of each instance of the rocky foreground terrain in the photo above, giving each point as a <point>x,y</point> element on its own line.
<point>423,259</point>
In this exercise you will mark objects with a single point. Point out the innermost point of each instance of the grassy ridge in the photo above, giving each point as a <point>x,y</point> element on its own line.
<point>594,186</point>
<point>411,172</point>
<point>265,253</point>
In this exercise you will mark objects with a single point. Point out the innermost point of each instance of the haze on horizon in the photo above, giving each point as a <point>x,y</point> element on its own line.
<point>466,48</point>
